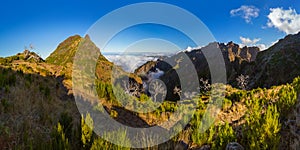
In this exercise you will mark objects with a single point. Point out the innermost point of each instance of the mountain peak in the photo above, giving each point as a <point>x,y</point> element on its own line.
<point>28,55</point>
<point>87,37</point>
<point>65,51</point>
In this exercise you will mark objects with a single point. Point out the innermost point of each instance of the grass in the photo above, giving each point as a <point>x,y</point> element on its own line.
<point>44,116</point>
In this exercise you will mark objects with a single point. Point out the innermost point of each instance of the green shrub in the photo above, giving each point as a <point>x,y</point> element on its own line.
<point>206,137</point>
<point>199,136</point>
<point>237,96</point>
<point>6,78</point>
<point>261,132</point>
<point>60,141</point>
<point>87,126</point>
<point>66,122</point>
<point>113,114</point>
<point>226,104</point>
<point>144,98</point>
<point>270,136</point>
<point>105,90</point>
<point>119,135</point>
<point>287,99</point>
<point>296,85</point>
<point>225,135</point>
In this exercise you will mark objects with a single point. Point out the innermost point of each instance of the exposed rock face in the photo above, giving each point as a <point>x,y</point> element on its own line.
<point>277,65</point>
<point>32,56</point>
<point>233,51</point>
<point>235,59</point>
<point>144,69</point>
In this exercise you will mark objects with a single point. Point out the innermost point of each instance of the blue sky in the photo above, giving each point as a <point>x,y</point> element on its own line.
<point>45,24</point>
<point>149,38</point>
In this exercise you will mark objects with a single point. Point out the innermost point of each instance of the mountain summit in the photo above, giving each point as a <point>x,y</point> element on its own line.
<point>277,65</point>
<point>38,108</point>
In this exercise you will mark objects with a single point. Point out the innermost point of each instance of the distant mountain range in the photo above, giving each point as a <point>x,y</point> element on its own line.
<point>277,65</point>
<point>37,96</point>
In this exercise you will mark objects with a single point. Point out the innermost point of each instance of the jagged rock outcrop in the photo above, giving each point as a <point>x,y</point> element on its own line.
<point>144,69</point>
<point>277,65</point>
<point>234,51</point>
<point>235,59</point>
<point>31,56</point>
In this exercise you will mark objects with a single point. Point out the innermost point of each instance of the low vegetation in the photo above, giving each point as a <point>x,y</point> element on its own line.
<point>38,111</point>
<point>261,126</point>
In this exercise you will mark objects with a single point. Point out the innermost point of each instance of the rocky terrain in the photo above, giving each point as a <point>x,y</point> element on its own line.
<point>38,110</point>
<point>277,65</point>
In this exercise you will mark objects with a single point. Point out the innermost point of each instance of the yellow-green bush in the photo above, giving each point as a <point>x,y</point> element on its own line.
<point>87,125</point>
<point>287,98</point>
<point>225,135</point>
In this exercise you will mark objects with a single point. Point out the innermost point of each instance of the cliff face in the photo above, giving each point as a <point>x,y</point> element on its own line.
<point>34,96</point>
<point>277,65</point>
<point>236,59</point>
<point>234,51</point>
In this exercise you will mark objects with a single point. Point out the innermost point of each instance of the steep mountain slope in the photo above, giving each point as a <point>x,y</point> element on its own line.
<point>65,51</point>
<point>235,59</point>
<point>277,65</point>
<point>35,94</point>
<point>32,100</point>
<point>38,111</point>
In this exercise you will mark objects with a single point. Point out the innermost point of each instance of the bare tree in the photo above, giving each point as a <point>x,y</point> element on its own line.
<point>177,90</point>
<point>131,88</point>
<point>205,86</point>
<point>31,47</point>
<point>157,90</point>
<point>242,81</point>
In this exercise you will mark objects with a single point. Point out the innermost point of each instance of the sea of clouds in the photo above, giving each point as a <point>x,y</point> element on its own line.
<point>130,62</point>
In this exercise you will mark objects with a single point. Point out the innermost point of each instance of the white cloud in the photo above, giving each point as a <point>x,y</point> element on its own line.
<point>262,47</point>
<point>253,42</point>
<point>246,12</point>
<point>155,75</point>
<point>287,21</point>
<point>129,62</point>
<point>248,41</point>
<point>189,48</point>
